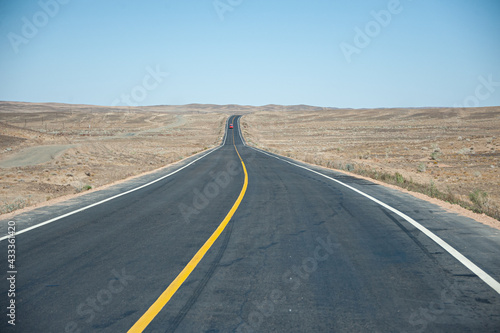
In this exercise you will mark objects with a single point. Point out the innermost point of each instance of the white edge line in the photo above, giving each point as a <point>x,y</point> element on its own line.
<point>115,196</point>
<point>447,247</point>
<point>225,131</point>
<point>239,130</point>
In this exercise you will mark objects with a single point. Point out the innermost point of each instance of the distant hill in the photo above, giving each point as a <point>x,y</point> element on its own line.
<point>196,108</point>
<point>19,107</point>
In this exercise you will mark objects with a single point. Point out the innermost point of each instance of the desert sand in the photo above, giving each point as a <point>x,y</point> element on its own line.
<point>53,150</point>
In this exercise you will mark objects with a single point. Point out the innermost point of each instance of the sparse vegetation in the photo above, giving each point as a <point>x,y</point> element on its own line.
<point>18,203</point>
<point>421,167</point>
<point>480,199</point>
<point>435,155</point>
<point>399,178</point>
<point>464,151</point>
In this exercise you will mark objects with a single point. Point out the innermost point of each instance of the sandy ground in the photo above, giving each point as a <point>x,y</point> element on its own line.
<point>456,151</point>
<point>34,155</point>
<point>53,152</point>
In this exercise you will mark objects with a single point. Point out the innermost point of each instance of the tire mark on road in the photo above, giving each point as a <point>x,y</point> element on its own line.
<point>208,275</point>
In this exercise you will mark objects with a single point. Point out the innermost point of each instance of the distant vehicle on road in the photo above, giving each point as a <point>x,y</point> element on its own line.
<point>230,125</point>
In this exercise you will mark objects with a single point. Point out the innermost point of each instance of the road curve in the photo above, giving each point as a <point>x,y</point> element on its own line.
<point>301,253</point>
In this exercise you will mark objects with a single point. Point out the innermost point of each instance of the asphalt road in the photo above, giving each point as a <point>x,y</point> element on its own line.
<point>301,253</point>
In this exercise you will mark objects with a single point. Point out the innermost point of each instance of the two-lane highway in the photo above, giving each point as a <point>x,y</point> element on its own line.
<point>243,241</point>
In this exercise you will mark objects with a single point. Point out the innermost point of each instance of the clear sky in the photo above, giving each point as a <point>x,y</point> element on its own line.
<point>337,53</point>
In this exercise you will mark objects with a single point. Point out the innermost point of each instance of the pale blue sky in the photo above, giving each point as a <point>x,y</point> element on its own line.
<point>428,53</point>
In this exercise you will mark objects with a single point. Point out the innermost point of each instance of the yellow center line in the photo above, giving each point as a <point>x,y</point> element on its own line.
<point>151,313</point>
